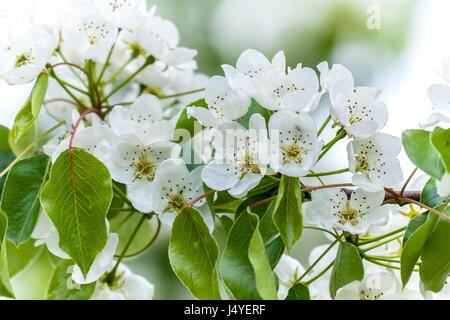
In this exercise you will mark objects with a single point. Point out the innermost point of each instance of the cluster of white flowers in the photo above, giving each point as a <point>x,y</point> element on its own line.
<point>119,81</point>
<point>287,142</point>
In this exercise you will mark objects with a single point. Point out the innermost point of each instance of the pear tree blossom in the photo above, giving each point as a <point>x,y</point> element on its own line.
<point>97,167</point>
<point>238,167</point>
<point>294,144</point>
<point>331,208</point>
<point>373,162</point>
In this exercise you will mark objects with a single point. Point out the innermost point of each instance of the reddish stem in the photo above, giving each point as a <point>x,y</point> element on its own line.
<point>201,197</point>
<point>77,124</point>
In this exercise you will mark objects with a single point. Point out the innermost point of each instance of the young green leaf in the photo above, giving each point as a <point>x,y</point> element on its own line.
<point>5,285</point>
<point>21,146</point>
<point>62,286</point>
<point>418,147</point>
<point>193,254</point>
<point>20,258</point>
<point>429,194</point>
<point>244,266</point>
<point>440,138</point>
<point>26,117</point>
<point>76,198</point>
<point>435,266</point>
<point>287,212</point>
<point>416,235</point>
<point>298,292</point>
<point>348,267</point>
<point>20,200</point>
<point>265,282</point>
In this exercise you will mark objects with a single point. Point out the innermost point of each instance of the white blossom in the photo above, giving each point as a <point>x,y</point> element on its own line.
<point>125,14</point>
<point>357,109</point>
<point>294,145</point>
<point>255,74</point>
<point>331,208</point>
<point>126,286</point>
<point>296,91</point>
<point>224,104</point>
<point>439,95</point>
<point>443,185</point>
<point>158,36</point>
<point>25,54</point>
<point>87,33</point>
<point>288,270</point>
<point>373,162</point>
<point>144,119</point>
<point>378,284</point>
<point>240,157</point>
<point>135,164</point>
<point>175,188</point>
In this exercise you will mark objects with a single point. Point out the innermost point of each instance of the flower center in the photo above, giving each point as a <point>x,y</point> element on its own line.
<point>293,153</point>
<point>176,203</point>
<point>92,39</point>
<point>362,164</point>
<point>137,50</point>
<point>143,168</point>
<point>350,215</point>
<point>23,59</point>
<point>249,165</point>
<point>370,295</point>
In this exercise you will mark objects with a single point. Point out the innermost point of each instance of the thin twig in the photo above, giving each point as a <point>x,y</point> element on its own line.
<point>408,181</point>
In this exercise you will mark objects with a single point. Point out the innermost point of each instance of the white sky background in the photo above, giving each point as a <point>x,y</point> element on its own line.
<point>404,83</point>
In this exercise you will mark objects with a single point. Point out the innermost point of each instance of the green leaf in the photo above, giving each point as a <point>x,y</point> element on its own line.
<point>348,267</point>
<point>298,292</point>
<point>23,143</point>
<point>266,225</point>
<point>429,194</point>
<point>440,138</point>
<point>4,134</point>
<point>418,147</point>
<point>416,235</point>
<point>184,122</point>
<point>124,224</point>
<point>265,282</point>
<point>20,258</point>
<point>76,198</point>
<point>20,200</point>
<point>6,155</point>
<point>193,254</point>
<point>287,213</point>
<point>435,257</point>
<point>244,266</point>
<point>275,250</point>
<point>226,223</point>
<point>62,286</point>
<point>27,116</point>
<point>5,285</point>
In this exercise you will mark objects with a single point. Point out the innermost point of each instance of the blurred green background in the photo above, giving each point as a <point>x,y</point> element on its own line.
<point>308,31</point>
